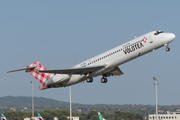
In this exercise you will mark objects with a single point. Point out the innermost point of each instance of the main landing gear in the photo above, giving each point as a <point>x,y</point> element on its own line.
<point>104,80</point>
<point>90,80</point>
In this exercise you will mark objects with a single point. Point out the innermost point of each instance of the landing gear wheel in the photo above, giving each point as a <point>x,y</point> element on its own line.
<point>167,49</point>
<point>104,80</point>
<point>89,80</point>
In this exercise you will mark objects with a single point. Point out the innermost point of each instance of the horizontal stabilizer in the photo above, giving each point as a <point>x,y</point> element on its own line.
<point>84,70</point>
<point>33,68</point>
<point>27,69</point>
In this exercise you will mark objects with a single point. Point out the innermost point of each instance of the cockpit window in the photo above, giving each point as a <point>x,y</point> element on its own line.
<point>158,32</point>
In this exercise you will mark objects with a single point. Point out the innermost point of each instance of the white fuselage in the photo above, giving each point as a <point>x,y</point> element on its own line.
<point>115,57</point>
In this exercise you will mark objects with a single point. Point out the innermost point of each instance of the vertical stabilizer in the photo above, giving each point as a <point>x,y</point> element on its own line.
<point>100,116</point>
<point>39,117</point>
<point>3,117</point>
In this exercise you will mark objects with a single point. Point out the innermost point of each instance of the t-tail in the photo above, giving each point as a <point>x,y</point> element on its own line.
<point>41,77</point>
<point>100,116</point>
<point>39,117</point>
<point>3,117</point>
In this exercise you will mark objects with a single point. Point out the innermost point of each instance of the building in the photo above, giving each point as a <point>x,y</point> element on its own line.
<point>168,116</point>
<point>55,118</point>
<point>27,118</point>
<point>35,118</point>
<point>74,117</point>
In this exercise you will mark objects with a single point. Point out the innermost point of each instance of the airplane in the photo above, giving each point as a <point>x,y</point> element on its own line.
<point>100,116</point>
<point>105,64</point>
<point>39,117</point>
<point>3,117</point>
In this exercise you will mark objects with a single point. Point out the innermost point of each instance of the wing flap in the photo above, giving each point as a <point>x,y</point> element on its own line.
<point>84,70</point>
<point>117,71</point>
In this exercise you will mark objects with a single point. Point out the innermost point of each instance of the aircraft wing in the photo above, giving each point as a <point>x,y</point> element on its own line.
<point>84,70</point>
<point>114,72</point>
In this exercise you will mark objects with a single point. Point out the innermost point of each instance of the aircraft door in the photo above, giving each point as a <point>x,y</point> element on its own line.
<point>150,40</point>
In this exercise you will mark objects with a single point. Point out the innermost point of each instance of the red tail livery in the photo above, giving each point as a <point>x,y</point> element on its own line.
<point>41,77</point>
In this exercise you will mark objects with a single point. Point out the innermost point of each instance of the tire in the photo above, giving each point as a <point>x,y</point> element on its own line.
<point>102,80</point>
<point>88,80</point>
<point>91,79</point>
<point>168,49</point>
<point>105,80</point>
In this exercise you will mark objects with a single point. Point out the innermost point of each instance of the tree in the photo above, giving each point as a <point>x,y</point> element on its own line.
<point>139,117</point>
<point>94,117</point>
<point>91,113</point>
<point>63,117</point>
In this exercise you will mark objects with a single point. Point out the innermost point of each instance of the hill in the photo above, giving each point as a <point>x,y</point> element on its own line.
<point>18,101</point>
<point>11,103</point>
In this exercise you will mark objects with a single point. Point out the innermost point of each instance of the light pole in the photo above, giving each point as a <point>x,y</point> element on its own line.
<point>32,102</point>
<point>70,102</point>
<point>156,79</point>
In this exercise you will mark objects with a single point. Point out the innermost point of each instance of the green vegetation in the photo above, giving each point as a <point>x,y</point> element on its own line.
<point>41,104</point>
<point>62,115</point>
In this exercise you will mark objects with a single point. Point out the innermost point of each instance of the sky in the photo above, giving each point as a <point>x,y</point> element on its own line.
<point>61,34</point>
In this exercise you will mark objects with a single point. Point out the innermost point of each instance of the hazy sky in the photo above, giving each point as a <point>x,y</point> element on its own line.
<point>61,34</point>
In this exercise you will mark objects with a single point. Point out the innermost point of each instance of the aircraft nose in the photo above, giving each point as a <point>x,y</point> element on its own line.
<point>172,36</point>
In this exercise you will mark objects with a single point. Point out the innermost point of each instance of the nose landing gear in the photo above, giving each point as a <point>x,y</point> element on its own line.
<point>167,48</point>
